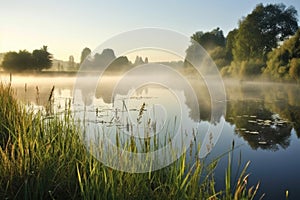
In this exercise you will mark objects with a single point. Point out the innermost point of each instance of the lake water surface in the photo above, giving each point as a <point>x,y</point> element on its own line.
<point>262,118</point>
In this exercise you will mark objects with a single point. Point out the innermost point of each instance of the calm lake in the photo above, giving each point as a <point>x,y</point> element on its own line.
<point>262,118</point>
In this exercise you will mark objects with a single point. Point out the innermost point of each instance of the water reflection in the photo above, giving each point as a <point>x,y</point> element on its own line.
<point>264,114</point>
<point>259,126</point>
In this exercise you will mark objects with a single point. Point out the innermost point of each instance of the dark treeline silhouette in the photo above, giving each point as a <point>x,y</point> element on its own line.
<point>38,60</point>
<point>107,59</point>
<point>85,52</point>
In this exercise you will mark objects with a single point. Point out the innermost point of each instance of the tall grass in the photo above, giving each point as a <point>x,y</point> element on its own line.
<point>42,157</point>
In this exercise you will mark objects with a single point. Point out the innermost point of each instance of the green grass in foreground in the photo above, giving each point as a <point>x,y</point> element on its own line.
<point>44,158</point>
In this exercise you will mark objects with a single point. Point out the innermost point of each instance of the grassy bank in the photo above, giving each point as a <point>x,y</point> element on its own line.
<point>42,157</point>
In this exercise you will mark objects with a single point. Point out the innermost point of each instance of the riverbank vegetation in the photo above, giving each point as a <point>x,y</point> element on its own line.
<point>42,157</point>
<point>264,45</point>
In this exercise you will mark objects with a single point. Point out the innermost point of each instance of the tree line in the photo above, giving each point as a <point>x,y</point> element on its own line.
<point>108,58</point>
<point>23,60</point>
<point>266,42</point>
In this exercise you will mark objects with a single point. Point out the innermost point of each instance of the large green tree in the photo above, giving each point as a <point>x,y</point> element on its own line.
<point>263,29</point>
<point>209,40</point>
<point>213,42</point>
<point>230,40</point>
<point>284,62</point>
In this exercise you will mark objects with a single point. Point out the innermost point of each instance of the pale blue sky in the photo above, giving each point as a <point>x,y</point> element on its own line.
<point>69,26</point>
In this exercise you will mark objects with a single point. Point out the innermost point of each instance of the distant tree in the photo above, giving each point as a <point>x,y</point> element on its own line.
<point>25,60</point>
<point>210,40</point>
<point>42,59</point>
<point>17,62</point>
<point>138,61</point>
<point>58,66</point>
<point>192,53</point>
<point>38,60</point>
<point>108,54</point>
<point>262,30</point>
<point>294,70</point>
<point>104,59</point>
<point>230,40</point>
<point>71,62</point>
<point>146,60</point>
<point>251,68</point>
<point>85,52</point>
<point>196,37</point>
<point>119,63</point>
<point>122,60</point>
<point>213,42</point>
<point>219,56</point>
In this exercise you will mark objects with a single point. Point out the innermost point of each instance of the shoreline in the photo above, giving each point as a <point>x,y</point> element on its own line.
<point>114,73</point>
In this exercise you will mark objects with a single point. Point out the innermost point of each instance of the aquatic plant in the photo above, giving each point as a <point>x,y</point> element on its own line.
<point>43,157</point>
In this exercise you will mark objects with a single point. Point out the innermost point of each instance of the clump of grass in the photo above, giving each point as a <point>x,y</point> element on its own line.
<point>238,190</point>
<point>43,157</point>
<point>9,110</point>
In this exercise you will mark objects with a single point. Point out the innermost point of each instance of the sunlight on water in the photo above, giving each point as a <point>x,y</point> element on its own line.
<point>262,117</point>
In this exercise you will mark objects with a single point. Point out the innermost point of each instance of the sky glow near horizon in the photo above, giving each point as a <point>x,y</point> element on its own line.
<point>67,27</point>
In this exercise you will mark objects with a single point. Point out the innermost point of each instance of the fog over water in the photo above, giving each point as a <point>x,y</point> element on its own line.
<point>263,118</point>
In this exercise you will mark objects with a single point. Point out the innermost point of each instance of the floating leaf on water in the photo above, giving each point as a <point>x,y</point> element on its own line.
<point>267,122</point>
<point>259,120</point>
<point>252,121</point>
<point>242,129</point>
<point>262,142</point>
<point>247,131</point>
<point>282,122</point>
<point>254,132</point>
<point>275,116</point>
<point>107,109</point>
<point>252,116</point>
<point>245,115</point>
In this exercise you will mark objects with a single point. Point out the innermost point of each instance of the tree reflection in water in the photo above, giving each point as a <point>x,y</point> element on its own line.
<point>264,114</point>
<point>258,126</point>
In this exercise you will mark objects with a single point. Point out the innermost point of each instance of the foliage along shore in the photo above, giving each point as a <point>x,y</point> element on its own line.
<point>265,45</point>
